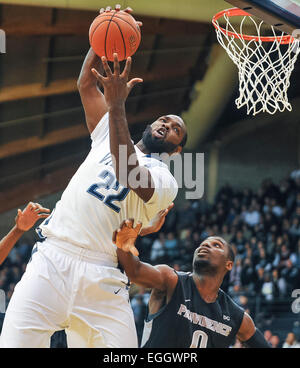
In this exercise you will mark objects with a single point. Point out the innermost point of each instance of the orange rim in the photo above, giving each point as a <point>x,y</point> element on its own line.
<point>233,12</point>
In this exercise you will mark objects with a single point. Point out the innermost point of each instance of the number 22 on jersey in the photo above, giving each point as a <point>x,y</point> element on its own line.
<point>109,182</point>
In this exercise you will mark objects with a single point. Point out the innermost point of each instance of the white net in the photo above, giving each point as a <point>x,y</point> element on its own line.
<point>265,64</point>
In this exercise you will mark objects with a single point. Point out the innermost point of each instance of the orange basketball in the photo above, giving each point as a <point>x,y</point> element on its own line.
<point>115,31</point>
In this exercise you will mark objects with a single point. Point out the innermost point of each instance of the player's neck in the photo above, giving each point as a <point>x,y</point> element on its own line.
<point>140,145</point>
<point>208,286</point>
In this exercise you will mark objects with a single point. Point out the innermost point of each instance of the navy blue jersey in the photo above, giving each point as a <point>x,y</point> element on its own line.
<point>187,321</point>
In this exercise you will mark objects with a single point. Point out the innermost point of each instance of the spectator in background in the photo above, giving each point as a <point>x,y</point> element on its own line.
<point>279,283</point>
<point>268,335</point>
<point>186,215</point>
<point>276,209</point>
<point>235,275</point>
<point>252,216</point>
<point>158,251</point>
<point>291,274</point>
<point>225,233</point>
<point>291,341</point>
<point>248,276</point>
<point>268,288</point>
<point>259,280</point>
<point>296,330</point>
<point>239,242</point>
<point>297,255</point>
<point>171,244</point>
<point>275,341</point>
<point>281,257</point>
<point>231,216</point>
<point>244,303</point>
<point>263,260</point>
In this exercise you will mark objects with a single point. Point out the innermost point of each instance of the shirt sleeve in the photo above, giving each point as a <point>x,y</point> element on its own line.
<point>165,191</point>
<point>101,132</point>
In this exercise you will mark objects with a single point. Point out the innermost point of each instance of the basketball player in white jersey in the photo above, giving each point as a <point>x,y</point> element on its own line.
<point>73,281</point>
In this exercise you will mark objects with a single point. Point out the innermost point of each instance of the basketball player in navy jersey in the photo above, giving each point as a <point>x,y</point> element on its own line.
<point>188,309</point>
<point>24,221</point>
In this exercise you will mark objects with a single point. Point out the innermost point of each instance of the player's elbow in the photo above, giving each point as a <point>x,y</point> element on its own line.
<point>81,84</point>
<point>85,83</point>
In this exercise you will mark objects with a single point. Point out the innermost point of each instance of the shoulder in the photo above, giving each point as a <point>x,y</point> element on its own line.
<point>167,270</point>
<point>169,274</point>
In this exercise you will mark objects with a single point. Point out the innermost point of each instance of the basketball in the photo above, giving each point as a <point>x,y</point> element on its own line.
<point>114,32</point>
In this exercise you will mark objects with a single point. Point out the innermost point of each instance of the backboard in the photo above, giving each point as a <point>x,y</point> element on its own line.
<point>283,14</point>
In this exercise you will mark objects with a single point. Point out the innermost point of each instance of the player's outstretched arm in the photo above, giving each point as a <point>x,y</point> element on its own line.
<point>24,221</point>
<point>157,222</point>
<point>249,335</point>
<point>161,277</point>
<point>92,98</point>
<point>117,87</point>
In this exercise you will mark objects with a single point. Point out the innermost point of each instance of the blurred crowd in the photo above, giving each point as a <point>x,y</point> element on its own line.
<point>262,225</point>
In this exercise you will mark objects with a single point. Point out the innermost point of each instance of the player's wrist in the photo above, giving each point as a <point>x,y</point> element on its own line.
<point>117,106</point>
<point>18,230</point>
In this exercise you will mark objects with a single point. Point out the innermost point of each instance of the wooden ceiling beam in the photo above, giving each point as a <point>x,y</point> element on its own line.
<point>33,143</point>
<point>151,26</point>
<point>46,29</point>
<point>34,90</point>
<point>59,136</point>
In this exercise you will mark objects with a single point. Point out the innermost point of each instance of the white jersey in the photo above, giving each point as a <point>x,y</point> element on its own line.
<point>94,204</point>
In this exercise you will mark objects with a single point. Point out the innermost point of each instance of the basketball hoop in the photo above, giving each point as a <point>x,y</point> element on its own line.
<point>265,63</point>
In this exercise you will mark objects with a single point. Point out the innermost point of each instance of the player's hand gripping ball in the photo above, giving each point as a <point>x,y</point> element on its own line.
<point>115,31</point>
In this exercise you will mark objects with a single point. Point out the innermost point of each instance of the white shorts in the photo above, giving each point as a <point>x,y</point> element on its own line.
<point>73,289</point>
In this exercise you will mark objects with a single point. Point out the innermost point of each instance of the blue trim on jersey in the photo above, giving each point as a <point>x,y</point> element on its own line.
<point>40,235</point>
<point>153,155</point>
<point>151,317</point>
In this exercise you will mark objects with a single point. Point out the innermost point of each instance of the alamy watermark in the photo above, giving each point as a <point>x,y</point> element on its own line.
<point>2,42</point>
<point>187,168</point>
<point>296,302</point>
<point>2,301</point>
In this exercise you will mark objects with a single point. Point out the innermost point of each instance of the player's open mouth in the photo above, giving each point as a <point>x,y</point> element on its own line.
<point>160,133</point>
<point>203,251</point>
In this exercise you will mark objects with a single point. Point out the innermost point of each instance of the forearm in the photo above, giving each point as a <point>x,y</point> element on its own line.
<point>120,141</point>
<point>140,273</point>
<point>129,262</point>
<point>86,78</point>
<point>7,243</point>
